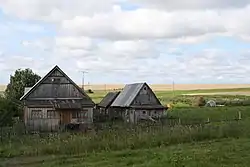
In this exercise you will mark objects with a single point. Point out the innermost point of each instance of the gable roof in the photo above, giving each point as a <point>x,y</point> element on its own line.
<point>127,95</point>
<point>108,99</point>
<point>30,90</point>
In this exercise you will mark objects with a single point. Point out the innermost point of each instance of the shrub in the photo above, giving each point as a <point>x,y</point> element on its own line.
<point>90,91</point>
<point>200,101</point>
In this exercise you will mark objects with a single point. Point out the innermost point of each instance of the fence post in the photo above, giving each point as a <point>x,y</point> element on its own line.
<point>239,115</point>
<point>179,121</point>
<point>208,120</point>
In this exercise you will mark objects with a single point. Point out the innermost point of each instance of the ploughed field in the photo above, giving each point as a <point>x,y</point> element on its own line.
<point>190,136</point>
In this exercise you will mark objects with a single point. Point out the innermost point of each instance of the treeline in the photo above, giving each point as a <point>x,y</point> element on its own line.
<point>10,105</point>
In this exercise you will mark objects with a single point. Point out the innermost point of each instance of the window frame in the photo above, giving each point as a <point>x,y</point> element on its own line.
<point>53,116</point>
<point>38,114</point>
<point>80,116</point>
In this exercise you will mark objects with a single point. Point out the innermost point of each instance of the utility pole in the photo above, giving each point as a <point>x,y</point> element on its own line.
<point>173,89</point>
<point>83,74</point>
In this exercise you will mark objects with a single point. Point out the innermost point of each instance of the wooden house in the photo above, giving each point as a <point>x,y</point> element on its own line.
<point>55,102</point>
<point>136,102</point>
<point>104,111</point>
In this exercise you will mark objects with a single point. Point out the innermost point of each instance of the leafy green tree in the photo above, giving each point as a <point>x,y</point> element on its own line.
<point>10,104</point>
<point>7,111</point>
<point>20,80</point>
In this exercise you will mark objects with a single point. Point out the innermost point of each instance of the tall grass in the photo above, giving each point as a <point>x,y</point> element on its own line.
<point>118,139</point>
<point>213,113</point>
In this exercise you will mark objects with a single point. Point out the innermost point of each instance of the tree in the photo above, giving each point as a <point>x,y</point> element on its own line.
<point>7,111</point>
<point>20,80</point>
<point>11,105</point>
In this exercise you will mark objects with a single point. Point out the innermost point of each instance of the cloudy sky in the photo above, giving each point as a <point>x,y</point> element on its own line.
<point>124,41</point>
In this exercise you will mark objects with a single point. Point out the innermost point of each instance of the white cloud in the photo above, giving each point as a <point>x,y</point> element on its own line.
<point>183,26</point>
<point>191,4</point>
<point>210,64</point>
<point>146,23</point>
<point>145,43</point>
<point>44,44</point>
<point>54,10</point>
<point>73,42</point>
<point>106,19</point>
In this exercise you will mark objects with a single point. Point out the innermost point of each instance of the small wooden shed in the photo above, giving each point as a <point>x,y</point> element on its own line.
<point>104,111</point>
<point>55,102</point>
<point>136,102</point>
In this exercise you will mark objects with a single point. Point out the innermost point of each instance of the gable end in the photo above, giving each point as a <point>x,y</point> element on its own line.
<point>55,81</point>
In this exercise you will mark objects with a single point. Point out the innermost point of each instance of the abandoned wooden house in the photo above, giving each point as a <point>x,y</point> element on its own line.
<point>56,102</point>
<point>104,111</point>
<point>137,102</point>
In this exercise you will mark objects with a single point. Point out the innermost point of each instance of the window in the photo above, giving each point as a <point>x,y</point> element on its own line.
<point>36,114</point>
<point>80,115</point>
<point>51,114</point>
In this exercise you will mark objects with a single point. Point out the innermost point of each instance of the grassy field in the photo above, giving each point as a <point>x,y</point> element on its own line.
<point>186,138</point>
<point>179,98</point>
<point>224,152</point>
<point>192,142</point>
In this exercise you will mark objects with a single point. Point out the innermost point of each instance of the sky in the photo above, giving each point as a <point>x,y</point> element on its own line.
<point>126,41</point>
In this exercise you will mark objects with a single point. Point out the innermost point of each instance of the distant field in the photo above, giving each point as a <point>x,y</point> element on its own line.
<point>162,87</point>
<point>169,87</point>
<point>247,93</point>
<point>2,88</point>
<point>169,95</point>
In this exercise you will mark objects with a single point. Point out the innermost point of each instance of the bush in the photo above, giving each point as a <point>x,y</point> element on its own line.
<point>7,111</point>
<point>90,91</point>
<point>200,101</point>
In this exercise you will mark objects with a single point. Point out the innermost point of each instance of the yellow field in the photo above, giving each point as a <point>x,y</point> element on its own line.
<point>2,88</point>
<point>162,87</point>
<point>165,87</point>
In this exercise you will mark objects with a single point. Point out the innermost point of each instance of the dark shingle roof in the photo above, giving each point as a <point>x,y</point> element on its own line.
<point>127,95</point>
<point>108,99</point>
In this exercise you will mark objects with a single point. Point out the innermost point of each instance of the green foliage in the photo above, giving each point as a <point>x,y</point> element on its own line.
<point>190,142</point>
<point>132,146</point>
<point>223,152</point>
<point>7,111</point>
<point>119,139</point>
<point>10,105</point>
<point>20,80</point>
